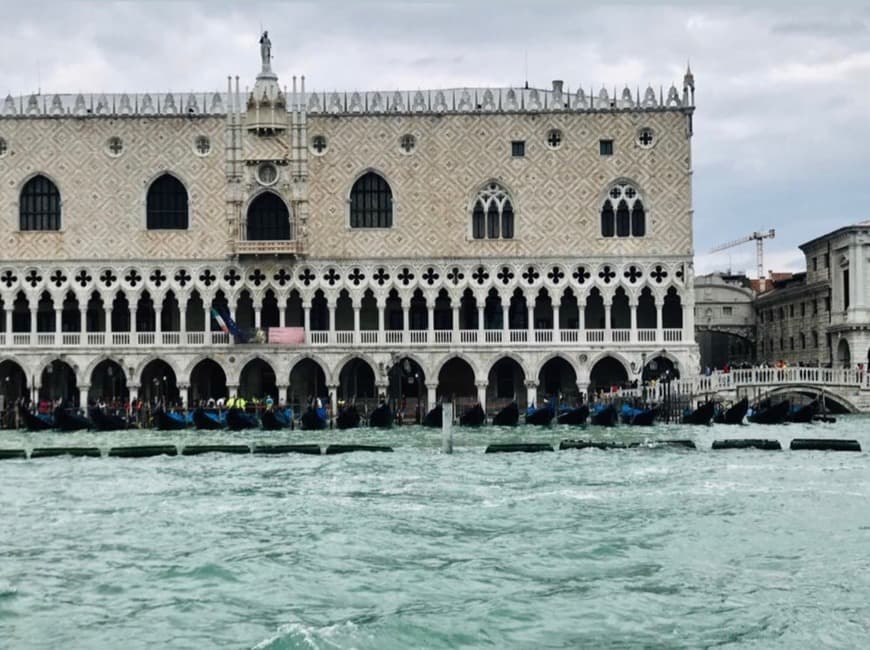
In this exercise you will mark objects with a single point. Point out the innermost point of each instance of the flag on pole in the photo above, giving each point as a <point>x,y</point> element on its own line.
<point>220,321</point>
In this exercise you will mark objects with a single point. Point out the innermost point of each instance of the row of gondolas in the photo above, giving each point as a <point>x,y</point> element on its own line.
<point>315,417</point>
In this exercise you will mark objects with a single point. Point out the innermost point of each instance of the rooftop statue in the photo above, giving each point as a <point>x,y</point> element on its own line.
<point>265,49</point>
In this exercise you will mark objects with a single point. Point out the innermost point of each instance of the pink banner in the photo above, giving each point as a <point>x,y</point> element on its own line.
<point>287,335</point>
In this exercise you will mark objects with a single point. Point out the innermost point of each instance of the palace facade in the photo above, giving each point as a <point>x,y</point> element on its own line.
<point>479,243</point>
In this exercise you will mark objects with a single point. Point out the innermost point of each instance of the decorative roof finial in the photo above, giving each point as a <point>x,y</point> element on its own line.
<point>689,78</point>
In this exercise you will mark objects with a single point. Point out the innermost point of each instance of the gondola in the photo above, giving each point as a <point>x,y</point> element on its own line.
<point>207,420</point>
<point>733,415</point>
<point>508,416</point>
<point>604,415</point>
<point>540,416</point>
<point>635,417</point>
<point>434,417</point>
<point>68,420</point>
<point>701,415</point>
<point>103,421</point>
<point>575,416</point>
<point>237,420</point>
<point>313,419</point>
<point>275,420</point>
<point>347,418</point>
<point>473,417</point>
<point>164,421</point>
<point>804,413</point>
<point>381,417</point>
<point>35,421</point>
<point>774,414</point>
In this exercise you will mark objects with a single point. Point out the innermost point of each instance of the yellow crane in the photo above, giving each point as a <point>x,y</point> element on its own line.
<point>759,237</point>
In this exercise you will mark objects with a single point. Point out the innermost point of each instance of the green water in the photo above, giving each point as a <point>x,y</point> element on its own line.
<point>648,547</point>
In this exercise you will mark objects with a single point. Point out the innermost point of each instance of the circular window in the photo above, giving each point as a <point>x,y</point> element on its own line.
<point>114,146</point>
<point>267,174</point>
<point>646,137</point>
<point>407,143</point>
<point>554,138</point>
<point>318,144</point>
<point>202,145</point>
<point>4,147</point>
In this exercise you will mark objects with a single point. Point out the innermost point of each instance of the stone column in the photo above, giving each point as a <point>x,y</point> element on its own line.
<point>83,396</point>
<point>333,400</point>
<point>430,323</point>
<point>132,323</point>
<point>557,338</point>
<point>108,323</point>
<point>134,391</point>
<point>9,321</point>
<point>83,323</point>
<point>688,322</point>
<point>282,315</point>
<point>258,316</point>
<point>608,305</point>
<point>182,322</point>
<point>381,308</point>
<point>481,393</point>
<point>531,392</point>
<point>431,395</point>
<point>331,308</point>
<point>232,389</point>
<point>581,316</point>
<point>183,390</point>
<point>531,321</point>
<point>356,334</point>
<point>480,310</point>
<point>660,336</point>
<point>455,323</point>
<point>158,323</point>
<point>406,322</point>
<point>283,390</point>
<point>505,322</point>
<point>33,312</point>
<point>633,307</point>
<point>58,325</point>
<point>306,311</point>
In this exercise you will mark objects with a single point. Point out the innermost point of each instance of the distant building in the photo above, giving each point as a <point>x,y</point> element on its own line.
<point>725,319</point>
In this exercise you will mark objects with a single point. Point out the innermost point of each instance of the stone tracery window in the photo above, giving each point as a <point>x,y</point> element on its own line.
<point>166,204</point>
<point>39,205</point>
<point>623,213</point>
<point>492,216</point>
<point>371,202</point>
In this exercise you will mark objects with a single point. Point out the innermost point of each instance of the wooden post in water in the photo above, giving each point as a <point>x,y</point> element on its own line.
<point>447,427</point>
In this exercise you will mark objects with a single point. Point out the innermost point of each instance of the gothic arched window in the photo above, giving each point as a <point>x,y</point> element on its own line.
<point>39,205</point>
<point>623,213</point>
<point>166,204</point>
<point>371,202</point>
<point>492,216</point>
<point>268,219</point>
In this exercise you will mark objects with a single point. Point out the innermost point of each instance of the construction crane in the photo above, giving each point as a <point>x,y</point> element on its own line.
<point>759,237</point>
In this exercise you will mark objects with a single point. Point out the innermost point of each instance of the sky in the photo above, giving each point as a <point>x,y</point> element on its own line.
<point>782,90</point>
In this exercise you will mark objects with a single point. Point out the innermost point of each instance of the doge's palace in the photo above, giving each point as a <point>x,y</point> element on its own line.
<point>473,243</point>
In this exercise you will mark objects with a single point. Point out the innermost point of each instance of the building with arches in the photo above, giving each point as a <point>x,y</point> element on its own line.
<point>490,243</point>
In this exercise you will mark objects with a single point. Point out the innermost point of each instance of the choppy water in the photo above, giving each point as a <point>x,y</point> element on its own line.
<point>575,549</point>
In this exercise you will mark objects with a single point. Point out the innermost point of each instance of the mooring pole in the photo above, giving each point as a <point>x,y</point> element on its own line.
<point>447,427</point>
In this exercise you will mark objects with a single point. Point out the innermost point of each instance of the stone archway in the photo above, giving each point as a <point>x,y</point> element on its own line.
<point>207,381</point>
<point>307,380</point>
<point>844,354</point>
<point>456,379</point>
<point>108,382</point>
<point>257,379</point>
<point>158,383</point>
<point>13,386</point>
<point>58,381</point>
<point>505,384</point>
<point>356,381</point>
<point>557,378</point>
<point>607,373</point>
<point>656,368</point>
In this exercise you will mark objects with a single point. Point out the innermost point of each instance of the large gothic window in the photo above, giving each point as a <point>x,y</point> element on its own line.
<point>269,219</point>
<point>492,216</point>
<point>371,202</point>
<point>39,205</point>
<point>166,204</point>
<point>623,213</point>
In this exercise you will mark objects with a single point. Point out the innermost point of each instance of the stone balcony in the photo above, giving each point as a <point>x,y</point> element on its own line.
<point>268,247</point>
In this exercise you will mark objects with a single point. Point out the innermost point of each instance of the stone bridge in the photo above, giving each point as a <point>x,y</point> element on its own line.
<point>843,387</point>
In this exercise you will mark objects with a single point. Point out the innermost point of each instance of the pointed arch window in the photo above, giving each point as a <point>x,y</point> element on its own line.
<point>269,219</point>
<point>492,215</point>
<point>39,205</point>
<point>623,213</point>
<point>166,204</point>
<point>371,202</point>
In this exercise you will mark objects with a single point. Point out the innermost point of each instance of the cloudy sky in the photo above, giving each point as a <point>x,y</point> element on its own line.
<point>782,138</point>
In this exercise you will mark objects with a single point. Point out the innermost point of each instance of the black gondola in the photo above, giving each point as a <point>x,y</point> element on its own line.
<point>473,417</point>
<point>804,413</point>
<point>540,416</point>
<point>604,416</point>
<point>275,420</point>
<point>237,420</point>
<point>103,421</point>
<point>701,415</point>
<point>773,414</point>
<point>207,421</point>
<point>434,417</point>
<point>508,416</point>
<point>313,419</point>
<point>34,421</point>
<point>68,420</point>
<point>381,417</point>
<point>164,421</point>
<point>575,416</point>
<point>347,418</point>
<point>644,417</point>
<point>733,415</point>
